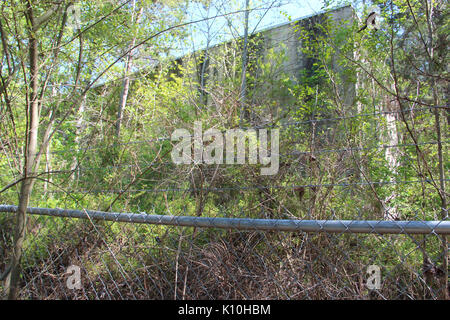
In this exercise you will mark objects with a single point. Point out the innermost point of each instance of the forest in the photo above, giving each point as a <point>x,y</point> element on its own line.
<point>339,110</point>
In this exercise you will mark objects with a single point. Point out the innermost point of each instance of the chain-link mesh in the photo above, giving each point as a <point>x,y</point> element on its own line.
<point>335,223</point>
<point>121,260</point>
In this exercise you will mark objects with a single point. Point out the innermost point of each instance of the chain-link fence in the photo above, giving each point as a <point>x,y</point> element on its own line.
<point>355,221</point>
<point>140,256</point>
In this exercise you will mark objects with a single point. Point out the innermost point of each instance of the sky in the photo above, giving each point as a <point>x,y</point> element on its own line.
<point>263,14</point>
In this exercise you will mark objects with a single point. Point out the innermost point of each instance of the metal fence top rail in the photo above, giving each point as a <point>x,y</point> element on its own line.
<point>332,226</point>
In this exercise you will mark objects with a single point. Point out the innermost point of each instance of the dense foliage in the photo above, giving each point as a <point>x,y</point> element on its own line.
<point>359,137</point>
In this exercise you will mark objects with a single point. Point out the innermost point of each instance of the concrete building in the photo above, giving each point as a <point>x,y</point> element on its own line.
<point>217,71</point>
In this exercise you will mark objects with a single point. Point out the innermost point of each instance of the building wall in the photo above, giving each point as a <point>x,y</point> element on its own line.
<point>224,60</point>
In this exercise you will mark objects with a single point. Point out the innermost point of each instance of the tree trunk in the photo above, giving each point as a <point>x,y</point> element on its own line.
<point>126,80</point>
<point>244,114</point>
<point>32,111</point>
<point>391,156</point>
<point>78,135</point>
<point>444,288</point>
